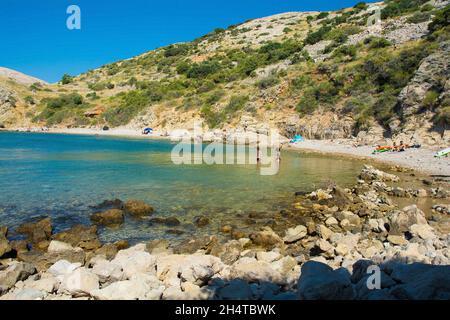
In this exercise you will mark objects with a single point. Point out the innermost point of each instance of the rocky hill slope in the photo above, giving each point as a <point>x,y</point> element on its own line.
<point>320,74</point>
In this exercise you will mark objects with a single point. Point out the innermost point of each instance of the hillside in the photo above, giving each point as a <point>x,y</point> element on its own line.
<point>320,74</point>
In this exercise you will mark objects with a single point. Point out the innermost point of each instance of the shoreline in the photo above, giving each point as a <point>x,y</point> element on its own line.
<point>421,160</point>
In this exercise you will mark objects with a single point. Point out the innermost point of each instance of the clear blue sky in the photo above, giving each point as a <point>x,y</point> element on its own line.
<point>34,38</point>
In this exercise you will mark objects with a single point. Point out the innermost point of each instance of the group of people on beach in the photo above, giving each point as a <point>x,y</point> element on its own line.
<point>395,147</point>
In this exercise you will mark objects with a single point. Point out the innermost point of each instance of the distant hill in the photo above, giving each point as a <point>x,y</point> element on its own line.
<point>19,76</point>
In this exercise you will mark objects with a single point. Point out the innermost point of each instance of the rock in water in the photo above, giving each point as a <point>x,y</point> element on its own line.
<point>37,231</point>
<point>369,173</point>
<point>318,281</point>
<point>81,236</point>
<point>5,247</point>
<point>201,221</point>
<point>108,217</point>
<point>137,208</point>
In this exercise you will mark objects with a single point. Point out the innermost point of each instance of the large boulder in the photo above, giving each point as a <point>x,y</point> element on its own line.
<point>137,208</point>
<point>108,218</point>
<point>43,261</point>
<point>252,270</point>
<point>37,231</point>
<point>80,282</point>
<point>196,269</point>
<point>107,271</point>
<point>5,247</point>
<point>15,272</point>
<point>228,252</point>
<point>135,260</point>
<point>58,246</point>
<point>401,221</point>
<point>81,236</point>
<point>318,281</point>
<point>266,238</point>
<point>62,268</point>
<point>295,234</point>
<point>369,173</point>
<point>128,290</point>
<point>421,282</point>
<point>205,244</point>
<point>236,289</point>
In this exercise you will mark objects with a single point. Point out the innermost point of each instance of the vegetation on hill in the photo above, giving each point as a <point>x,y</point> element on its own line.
<point>289,64</point>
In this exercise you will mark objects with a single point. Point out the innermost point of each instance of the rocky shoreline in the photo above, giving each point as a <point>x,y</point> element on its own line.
<point>320,247</point>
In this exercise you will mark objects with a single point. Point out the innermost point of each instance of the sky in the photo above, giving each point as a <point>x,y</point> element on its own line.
<point>35,40</point>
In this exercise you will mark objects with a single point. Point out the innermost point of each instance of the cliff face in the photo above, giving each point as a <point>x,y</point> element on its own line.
<point>324,75</point>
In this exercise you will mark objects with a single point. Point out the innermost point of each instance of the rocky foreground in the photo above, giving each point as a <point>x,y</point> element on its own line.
<point>330,239</point>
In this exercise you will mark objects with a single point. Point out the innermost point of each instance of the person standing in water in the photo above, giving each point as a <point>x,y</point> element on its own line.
<point>258,155</point>
<point>279,153</point>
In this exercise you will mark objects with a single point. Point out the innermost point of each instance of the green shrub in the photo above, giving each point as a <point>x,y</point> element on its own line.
<point>431,99</point>
<point>442,117</point>
<point>62,108</point>
<point>131,103</point>
<point>322,15</point>
<point>319,35</point>
<point>176,50</point>
<point>360,6</point>
<point>301,82</point>
<point>112,69</point>
<point>268,82</point>
<point>345,51</point>
<point>276,51</point>
<point>29,100</point>
<point>419,17</point>
<point>236,103</point>
<point>376,42</point>
<point>66,79</point>
<point>300,57</point>
<point>396,8</point>
<point>308,103</point>
<point>441,20</point>
<point>203,69</point>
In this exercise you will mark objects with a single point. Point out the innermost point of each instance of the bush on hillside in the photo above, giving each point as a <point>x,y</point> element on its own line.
<point>66,79</point>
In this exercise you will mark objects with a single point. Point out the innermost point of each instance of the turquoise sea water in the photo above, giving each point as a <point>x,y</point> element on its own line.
<point>63,175</point>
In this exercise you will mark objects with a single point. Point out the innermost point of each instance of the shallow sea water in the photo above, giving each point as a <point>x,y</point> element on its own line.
<point>65,175</point>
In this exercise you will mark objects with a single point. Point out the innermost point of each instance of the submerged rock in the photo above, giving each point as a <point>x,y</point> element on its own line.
<point>137,208</point>
<point>201,221</point>
<point>109,204</point>
<point>169,221</point>
<point>108,217</point>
